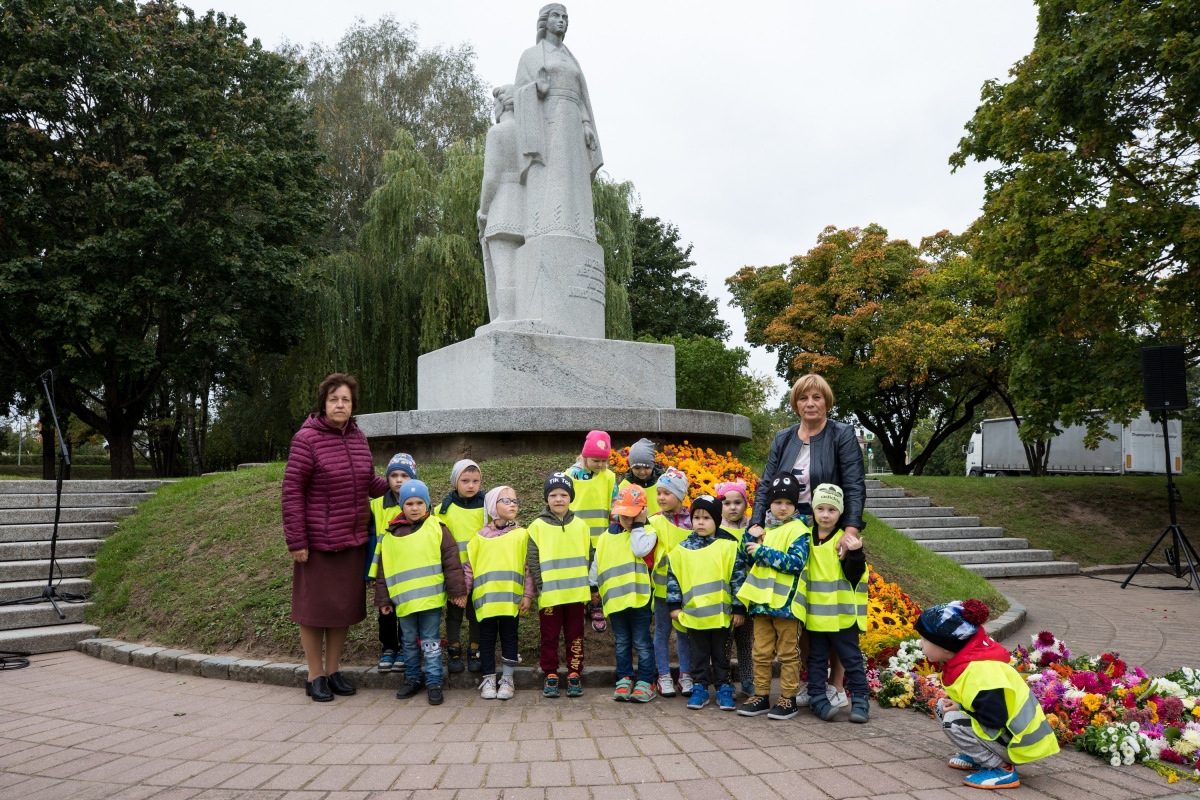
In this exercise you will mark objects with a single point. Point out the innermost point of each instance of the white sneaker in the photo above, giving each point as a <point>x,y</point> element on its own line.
<point>802,698</point>
<point>506,690</point>
<point>836,699</point>
<point>685,684</point>
<point>666,686</point>
<point>487,689</point>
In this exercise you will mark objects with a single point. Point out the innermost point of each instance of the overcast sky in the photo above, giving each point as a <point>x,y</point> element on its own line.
<point>751,126</point>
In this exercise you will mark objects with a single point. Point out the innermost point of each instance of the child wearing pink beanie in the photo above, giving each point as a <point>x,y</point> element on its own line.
<point>593,497</point>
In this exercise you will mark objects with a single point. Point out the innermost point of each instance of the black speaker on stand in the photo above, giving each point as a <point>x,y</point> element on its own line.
<point>1164,388</point>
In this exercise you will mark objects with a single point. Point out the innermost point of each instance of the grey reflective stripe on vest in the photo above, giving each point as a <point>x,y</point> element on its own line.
<point>1025,715</point>
<point>496,597</point>
<point>418,593</point>
<point>840,585</point>
<point>413,574</point>
<point>1036,735</point>
<point>837,609</point>
<point>703,588</point>
<point>660,579</point>
<point>624,589</point>
<point>462,546</point>
<point>709,611</point>
<point>594,513</point>
<point>778,588</point>
<point>621,569</point>
<point>495,576</point>
<point>564,563</point>
<point>564,583</point>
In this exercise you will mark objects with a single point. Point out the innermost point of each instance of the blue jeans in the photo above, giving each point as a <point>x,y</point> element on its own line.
<point>662,640</point>
<point>631,630</point>
<point>423,625</point>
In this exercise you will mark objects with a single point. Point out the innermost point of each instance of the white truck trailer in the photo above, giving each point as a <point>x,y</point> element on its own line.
<point>995,450</point>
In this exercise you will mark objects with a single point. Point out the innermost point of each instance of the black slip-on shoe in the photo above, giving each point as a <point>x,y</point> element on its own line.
<point>318,690</point>
<point>339,685</point>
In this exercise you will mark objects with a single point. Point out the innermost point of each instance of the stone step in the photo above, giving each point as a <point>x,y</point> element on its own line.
<point>897,502</point>
<point>79,487</point>
<point>39,615</point>
<point>41,532</point>
<point>978,532</point>
<point>67,548</point>
<point>1024,569</point>
<point>38,570</point>
<point>46,639</point>
<point>917,511</point>
<point>28,516</point>
<point>874,484</point>
<point>965,557</point>
<point>14,590</point>
<point>952,545</point>
<point>931,522</point>
<point>79,500</point>
<point>884,493</point>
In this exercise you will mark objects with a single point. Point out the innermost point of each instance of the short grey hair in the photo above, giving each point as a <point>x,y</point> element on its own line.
<point>544,17</point>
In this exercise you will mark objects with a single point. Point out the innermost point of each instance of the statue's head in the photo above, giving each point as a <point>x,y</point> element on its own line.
<point>503,97</point>
<point>552,18</point>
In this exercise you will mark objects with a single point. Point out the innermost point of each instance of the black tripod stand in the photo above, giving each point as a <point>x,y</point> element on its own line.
<point>50,591</point>
<point>1180,549</point>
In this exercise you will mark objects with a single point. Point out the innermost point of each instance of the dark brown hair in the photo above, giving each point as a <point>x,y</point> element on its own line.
<point>334,381</point>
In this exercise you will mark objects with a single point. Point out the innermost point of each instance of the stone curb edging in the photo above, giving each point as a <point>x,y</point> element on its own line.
<point>1007,623</point>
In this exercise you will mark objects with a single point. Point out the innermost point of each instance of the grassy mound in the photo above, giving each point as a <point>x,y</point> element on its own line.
<point>203,566</point>
<point>1089,519</point>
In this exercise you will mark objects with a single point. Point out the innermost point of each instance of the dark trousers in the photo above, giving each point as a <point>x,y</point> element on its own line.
<point>454,620</point>
<point>709,662</point>
<point>845,644</point>
<point>489,629</point>
<point>743,636</point>
<point>389,632</point>
<point>565,621</point>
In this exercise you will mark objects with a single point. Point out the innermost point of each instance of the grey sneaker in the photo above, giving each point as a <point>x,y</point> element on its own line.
<point>506,689</point>
<point>487,688</point>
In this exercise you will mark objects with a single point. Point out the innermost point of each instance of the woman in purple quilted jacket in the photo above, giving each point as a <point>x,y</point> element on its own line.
<point>328,480</point>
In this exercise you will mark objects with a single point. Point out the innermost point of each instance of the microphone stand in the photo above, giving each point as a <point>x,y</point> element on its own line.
<point>49,591</point>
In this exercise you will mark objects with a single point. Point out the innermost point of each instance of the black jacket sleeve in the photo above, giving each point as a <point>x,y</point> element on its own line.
<point>775,457</point>
<point>854,565</point>
<point>852,478</point>
<point>990,709</point>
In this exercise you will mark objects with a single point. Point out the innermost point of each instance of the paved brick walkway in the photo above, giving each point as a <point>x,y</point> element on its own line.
<point>1156,629</point>
<point>76,727</point>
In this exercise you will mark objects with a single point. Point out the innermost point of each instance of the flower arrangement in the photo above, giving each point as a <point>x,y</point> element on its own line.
<point>704,468</point>
<point>890,617</point>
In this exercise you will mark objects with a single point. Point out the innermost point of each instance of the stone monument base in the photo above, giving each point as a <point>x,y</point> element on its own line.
<point>499,368</point>
<point>485,433</point>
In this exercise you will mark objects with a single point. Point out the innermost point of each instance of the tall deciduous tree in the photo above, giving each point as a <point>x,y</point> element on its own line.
<point>884,322</point>
<point>159,187</point>
<point>665,298</point>
<point>1090,218</point>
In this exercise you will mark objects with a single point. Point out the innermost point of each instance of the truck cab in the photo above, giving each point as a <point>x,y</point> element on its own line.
<point>974,453</point>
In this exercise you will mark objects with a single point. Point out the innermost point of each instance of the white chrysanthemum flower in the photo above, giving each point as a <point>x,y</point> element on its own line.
<point>1135,727</point>
<point>1115,761</point>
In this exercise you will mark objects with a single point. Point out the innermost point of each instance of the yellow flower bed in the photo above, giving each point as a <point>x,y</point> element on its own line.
<point>704,468</point>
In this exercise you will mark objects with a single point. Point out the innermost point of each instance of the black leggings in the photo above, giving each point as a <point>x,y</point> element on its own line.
<point>454,619</point>
<point>506,629</point>
<point>708,647</point>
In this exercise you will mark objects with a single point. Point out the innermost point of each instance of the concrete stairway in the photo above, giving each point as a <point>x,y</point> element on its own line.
<point>983,550</point>
<point>89,513</point>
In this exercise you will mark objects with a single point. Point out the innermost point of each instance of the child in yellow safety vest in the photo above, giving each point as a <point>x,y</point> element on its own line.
<point>416,570</point>
<point>988,712</point>
<point>673,524</point>
<point>501,588</point>
<point>835,591</point>
<point>774,594</point>
<point>704,575</point>
<point>461,511</point>
<point>735,499</point>
<point>620,579</point>
<point>381,511</point>
<point>593,498</point>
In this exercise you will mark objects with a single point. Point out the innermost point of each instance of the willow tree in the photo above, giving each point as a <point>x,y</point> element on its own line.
<point>615,232</point>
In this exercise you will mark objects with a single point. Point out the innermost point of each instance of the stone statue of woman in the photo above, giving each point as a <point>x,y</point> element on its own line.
<point>556,134</point>
<point>501,209</point>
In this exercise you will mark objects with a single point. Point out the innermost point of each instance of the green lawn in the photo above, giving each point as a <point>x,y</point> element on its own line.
<point>1089,519</point>
<point>203,566</point>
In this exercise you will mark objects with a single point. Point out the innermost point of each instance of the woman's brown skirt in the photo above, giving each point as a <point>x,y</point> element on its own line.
<point>327,590</point>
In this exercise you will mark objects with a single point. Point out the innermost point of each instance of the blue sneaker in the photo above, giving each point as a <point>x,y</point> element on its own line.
<point>699,698</point>
<point>725,698</point>
<point>387,661</point>
<point>963,761</point>
<point>993,779</point>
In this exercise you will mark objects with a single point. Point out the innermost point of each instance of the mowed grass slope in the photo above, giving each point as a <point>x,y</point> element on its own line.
<point>203,566</point>
<point>1089,519</point>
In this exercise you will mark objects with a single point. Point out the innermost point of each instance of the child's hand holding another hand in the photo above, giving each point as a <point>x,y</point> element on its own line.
<point>385,610</point>
<point>675,614</point>
<point>524,605</point>
<point>460,601</point>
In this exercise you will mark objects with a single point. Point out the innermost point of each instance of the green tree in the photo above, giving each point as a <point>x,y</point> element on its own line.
<point>665,298</point>
<point>160,195</point>
<point>615,233</point>
<point>710,376</point>
<point>1090,221</point>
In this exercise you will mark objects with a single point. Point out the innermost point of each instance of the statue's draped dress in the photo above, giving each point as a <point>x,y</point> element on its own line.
<point>557,163</point>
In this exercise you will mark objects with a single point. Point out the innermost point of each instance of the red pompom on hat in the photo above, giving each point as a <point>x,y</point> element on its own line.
<point>975,612</point>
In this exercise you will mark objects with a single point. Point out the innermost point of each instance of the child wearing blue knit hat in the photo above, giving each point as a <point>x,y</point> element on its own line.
<point>383,510</point>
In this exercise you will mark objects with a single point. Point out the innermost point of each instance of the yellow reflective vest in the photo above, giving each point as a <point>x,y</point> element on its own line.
<point>1032,736</point>
<point>832,603</point>
<point>463,523</point>
<point>623,578</point>
<point>593,501</point>
<point>498,573</point>
<point>563,553</point>
<point>652,506</point>
<point>703,577</point>
<point>412,568</point>
<point>765,585</point>
<point>669,537</point>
